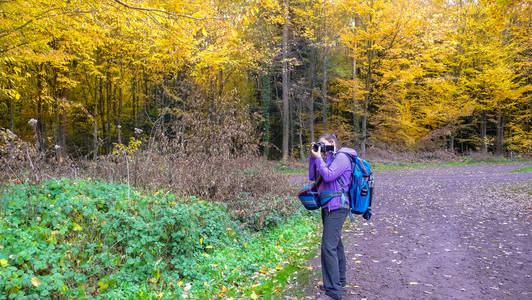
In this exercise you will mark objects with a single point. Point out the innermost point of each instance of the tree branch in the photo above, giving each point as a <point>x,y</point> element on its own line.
<point>5,50</point>
<point>158,10</point>
<point>7,32</point>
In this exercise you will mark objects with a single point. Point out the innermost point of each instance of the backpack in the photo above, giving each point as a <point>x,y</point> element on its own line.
<point>360,188</point>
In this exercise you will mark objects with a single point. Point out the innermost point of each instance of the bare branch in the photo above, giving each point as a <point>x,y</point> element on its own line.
<point>7,32</point>
<point>14,47</point>
<point>159,10</point>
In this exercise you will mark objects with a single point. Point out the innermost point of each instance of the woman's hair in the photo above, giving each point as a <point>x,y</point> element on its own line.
<point>331,137</point>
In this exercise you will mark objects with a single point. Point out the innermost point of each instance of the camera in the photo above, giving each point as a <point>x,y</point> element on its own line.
<point>324,148</point>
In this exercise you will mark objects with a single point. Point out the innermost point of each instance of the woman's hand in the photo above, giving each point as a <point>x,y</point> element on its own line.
<point>316,154</point>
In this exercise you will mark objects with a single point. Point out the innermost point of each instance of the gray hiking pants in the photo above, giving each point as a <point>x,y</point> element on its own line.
<point>333,263</point>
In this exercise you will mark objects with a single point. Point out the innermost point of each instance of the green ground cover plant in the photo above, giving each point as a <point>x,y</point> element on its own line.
<point>85,239</point>
<point>523,169</point>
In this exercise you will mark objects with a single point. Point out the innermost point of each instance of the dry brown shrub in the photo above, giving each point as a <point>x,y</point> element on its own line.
<point>209,150</point>
<point>23,162</point>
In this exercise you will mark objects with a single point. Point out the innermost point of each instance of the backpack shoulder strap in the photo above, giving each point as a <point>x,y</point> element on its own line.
<point>363,167</point>
<point>340,180</point>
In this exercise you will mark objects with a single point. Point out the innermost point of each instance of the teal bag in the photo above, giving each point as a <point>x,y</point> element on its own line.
<point>309,197</point>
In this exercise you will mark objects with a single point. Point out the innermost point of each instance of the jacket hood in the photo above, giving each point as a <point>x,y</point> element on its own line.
<point>348,151</point>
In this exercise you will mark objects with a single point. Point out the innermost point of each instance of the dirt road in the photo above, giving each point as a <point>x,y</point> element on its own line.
<point>443,233</point>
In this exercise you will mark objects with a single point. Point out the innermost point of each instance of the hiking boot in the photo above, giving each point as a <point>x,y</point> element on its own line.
<point>322,287</point>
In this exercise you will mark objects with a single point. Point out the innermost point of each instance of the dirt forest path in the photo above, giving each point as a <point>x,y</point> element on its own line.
<point>443,233</point>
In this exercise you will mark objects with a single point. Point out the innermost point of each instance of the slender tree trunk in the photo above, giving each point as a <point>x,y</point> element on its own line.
<point>356,115</point>
<point>119,116</point>
<point>301,148</point>
<point>95,121</point>
<point>147,104</point>
<point>108,112</point>
<point>451,141</point>
<point>221,82</point>
<point>500,133</point>
<point>12,115</point>
<point>292,143</point>
<point>483,129</point>
<point>102,109</point>
<point>312,77</point>
<point>62,126</point>
<point>56,123</point>
<point>366,102</point>
<point>324,89</point>
<point>134,100</point>
<point>40,118</point>
<point>95,136</point>
<point>286,107</point>
<point>266,99</point>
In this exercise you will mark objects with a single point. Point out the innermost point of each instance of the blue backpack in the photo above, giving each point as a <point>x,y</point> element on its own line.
<point>361,187</point>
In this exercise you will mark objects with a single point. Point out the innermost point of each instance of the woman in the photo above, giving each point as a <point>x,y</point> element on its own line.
<point>332,174</point>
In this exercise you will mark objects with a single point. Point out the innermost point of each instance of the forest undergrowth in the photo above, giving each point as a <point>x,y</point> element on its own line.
<point>151,219</point>
<point>83,238</point>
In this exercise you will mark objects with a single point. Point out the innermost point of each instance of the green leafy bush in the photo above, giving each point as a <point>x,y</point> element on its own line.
<point>89,239</point>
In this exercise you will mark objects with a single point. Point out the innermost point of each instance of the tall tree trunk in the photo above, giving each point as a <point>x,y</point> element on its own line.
<point>356,115</point>
<point>499,140</point>
<point>134,100</point>
<point>451,141</point>
<point>483,129</point>
<point>95,137</point>
<point>62,126</point>
<point>40,116</point>
<point>312,76</point>
<point>56,124</point>
<point>221,82</point>
<point>366,101</point>
<point>266,99</point>
<point>301,148</point>
<point>108,113</point>
<point>60,119</point>
<point>12,115</point>
<point>324,89</point>
<point>147,104</point>
<point>286,107</point>
<point>119,115</point>
<point>95,121</point>
<point>102,109</point>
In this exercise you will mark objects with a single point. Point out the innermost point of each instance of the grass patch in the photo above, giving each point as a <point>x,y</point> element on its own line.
<point>457,163</point>
<point>288,169</point>
<point>86,239</point>
<point>523,169</point>
<point>401,165</point>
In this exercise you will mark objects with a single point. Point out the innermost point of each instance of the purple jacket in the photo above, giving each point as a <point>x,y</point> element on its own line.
<point>340,166</point>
